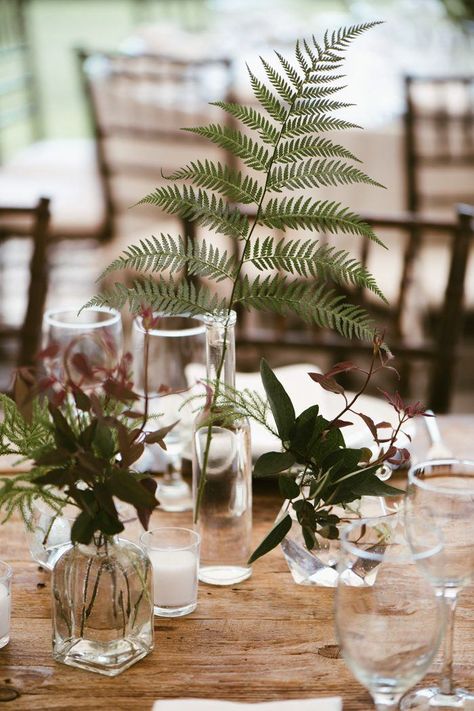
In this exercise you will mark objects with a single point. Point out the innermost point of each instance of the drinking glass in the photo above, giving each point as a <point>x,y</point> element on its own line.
<point>95,333</point>
<point>174,555</point>
<point>5,603</point>
<point>172,347</point>
<point>389,620</point>
<point>441,494</point>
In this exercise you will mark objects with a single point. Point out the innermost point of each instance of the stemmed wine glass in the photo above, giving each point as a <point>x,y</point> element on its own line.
<point>441,494</point>
<point>93,337</point>
<point>171,347</point>
<point>389,620</point>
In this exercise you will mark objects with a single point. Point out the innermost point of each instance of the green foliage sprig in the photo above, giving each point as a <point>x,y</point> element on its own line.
<point>317,473</point>
<point>83,440</point>
<point>280,143</point>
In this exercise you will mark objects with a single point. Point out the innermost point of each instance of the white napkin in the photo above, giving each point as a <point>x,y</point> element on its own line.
<point>327,704</point>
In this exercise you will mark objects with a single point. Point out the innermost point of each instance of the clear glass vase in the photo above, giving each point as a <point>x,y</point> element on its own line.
<point>102,606</point>
<point>319,566</point>
<point>222,470</point>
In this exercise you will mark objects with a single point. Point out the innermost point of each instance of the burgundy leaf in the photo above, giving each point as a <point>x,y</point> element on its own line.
<point>82,365</point>
<point>328,384</point>
<point>158,436</point>
<point>340,423</point>
<point>370,424</point>
<point>342,367</point>
<point>383,425</point>
<point>144,513</point>
<point>50,351</point>
<point>119,391</point>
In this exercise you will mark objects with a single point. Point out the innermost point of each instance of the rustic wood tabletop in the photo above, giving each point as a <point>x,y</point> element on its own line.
<point>264,639</point>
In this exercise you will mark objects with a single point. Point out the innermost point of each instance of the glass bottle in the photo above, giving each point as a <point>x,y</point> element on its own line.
<point>222,469</point>
<point>102,606</point>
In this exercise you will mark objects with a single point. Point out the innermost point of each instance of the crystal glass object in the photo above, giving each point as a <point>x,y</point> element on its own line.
<point>389,620</point>
<point>102,606</point>
<point>6,574</point>
<point>441,494</point>
<point>49,532</point>
<point>319,566</point>
<point>174,555</point>
<point>222,470</point>
<point>94,333</point>
<point>173,345</point>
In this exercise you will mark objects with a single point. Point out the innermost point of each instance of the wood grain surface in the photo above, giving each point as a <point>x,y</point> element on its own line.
<point>266,638</point>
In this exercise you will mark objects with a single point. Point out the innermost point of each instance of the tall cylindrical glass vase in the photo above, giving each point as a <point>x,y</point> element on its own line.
<point>222,467</point>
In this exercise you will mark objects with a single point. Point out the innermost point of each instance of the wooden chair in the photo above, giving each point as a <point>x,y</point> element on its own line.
<point>19,114</point>
<point>414,334</point>
<point>439,142</point>
<point>137,106</point>
<point>35,222</point>
<point>63,169</point>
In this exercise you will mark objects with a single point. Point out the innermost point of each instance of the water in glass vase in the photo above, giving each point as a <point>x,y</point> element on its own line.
<point>222,468</point>
<point>102,606</point>
<point>225,511</point>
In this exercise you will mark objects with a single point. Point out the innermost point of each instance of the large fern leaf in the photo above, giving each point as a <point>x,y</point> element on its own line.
<point>308,258</point>
<point>205,208</point>
<point>215,176</point>
<point>324,215</point>
<point>157,254</point>
<point>278,139</point>
<point>164,296</point>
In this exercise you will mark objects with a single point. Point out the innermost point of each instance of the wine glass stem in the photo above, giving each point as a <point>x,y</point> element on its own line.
<point>446,684</point>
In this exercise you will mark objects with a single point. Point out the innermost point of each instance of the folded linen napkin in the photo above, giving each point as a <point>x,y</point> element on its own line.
<point>327,704</point>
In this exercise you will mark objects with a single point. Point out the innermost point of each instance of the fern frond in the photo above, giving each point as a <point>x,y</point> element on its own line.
<point>207,210</point>
<point>320,215</point>
<point>168,297</point>
<point>310,259</point>
<point>311,147</point>
<point>341,38</point>
<point>252,154</point>
<point>215,176</point>
<point>252,118</point>
<point>301,125</point>
<point>314,174</point>
<point>284,90</point>
<point>314,305</point>
<point>310,107</point>
<point>267,99</point>
<point>292,73</point>
<point>157,254</point>
<point>312,92</point>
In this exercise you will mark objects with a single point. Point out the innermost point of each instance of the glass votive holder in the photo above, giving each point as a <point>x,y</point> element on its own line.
<point>174,555</point>
<point>5,603</point>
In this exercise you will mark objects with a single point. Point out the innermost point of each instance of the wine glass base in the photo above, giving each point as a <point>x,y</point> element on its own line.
<point>432,698</point>
<point>174,496</point>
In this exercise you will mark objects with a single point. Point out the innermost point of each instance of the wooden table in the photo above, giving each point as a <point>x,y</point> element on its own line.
<point>266,638</point>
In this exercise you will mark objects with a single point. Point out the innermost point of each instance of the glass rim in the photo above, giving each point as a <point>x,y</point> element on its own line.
<point>423,484</point>
<point>193,544</point>
<point>355,549</point>
<point>51,317</point>
<point>6,571</point>
<point>172,333</point>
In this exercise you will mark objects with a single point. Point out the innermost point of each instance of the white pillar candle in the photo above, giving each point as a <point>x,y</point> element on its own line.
<point>4,611</point>
<point>175,577</point>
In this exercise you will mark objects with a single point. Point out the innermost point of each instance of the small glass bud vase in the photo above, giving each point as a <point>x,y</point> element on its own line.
<point>222,469</point>
<point>102,606</point>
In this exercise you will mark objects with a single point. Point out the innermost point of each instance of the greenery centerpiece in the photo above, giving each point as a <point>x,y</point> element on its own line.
<point>281,150</point>
<point>83,436</point>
